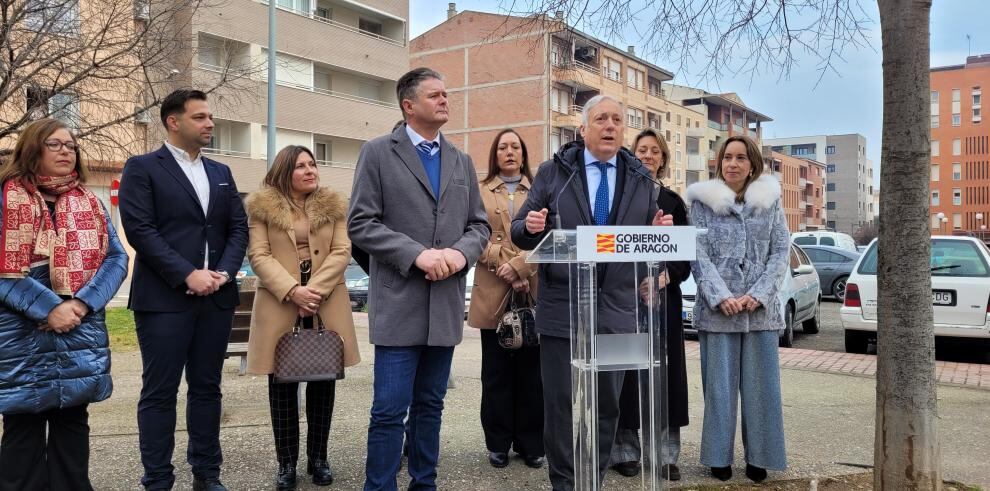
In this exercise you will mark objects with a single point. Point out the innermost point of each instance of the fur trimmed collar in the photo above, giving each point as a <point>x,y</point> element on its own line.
<point>761,194</point>
<point>269,206</point>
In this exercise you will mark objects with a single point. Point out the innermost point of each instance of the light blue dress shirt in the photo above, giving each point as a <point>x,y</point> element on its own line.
<point>595,177</point>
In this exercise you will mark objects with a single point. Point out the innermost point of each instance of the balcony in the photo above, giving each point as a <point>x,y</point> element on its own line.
<point>696,162</point>
<point>581,76</point>
<point>230,138</point>
<point>340,15</point>
<point>715,125</point>
<point>696,132</point>
<point>803,182</point>
<point>569,119</point>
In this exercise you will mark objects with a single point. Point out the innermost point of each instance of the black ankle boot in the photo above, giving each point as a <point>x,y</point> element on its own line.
<point>322,474</point>
<point>755,474</point>
<point>722,473</point>
<point>285,480</point>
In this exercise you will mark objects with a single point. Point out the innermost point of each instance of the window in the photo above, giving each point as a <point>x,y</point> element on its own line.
<point>142,9</point>
<point>554,142</point>
<point>830,168</point>
<point>935,148</point>
<point>634,117</point>
<point>559,54</point>
<point>678,142</point>
<point>976,99</point>
<point>63,107</point>
<point>830,224</point>
<point>830,205</point>
<point>956,98</point>
<point>956,171</point>
<point>678,120</point>
<point>934,120</point>
<point>830,150</point>
<point>830,186</point>
<point>678,156</point>
<point>635,78</point>
<point>668,120</point>
<point>368,25</point>
<point>957,196</point>
<point>956,120</point>
<point>612,69</point>
<point>935,222</point>
<point>301,6</point>
<point>956,221</point>
<point>935,100</point>
<point>977,114</point>
<point>324,13</point>
<point>935,198</point>
<point>668,132</point>
<point>559,100</point>
<point>935,172</point>
<point>290,70</point>
<point>956,146</point>
<point>324,151</point>
<point>54,16</point>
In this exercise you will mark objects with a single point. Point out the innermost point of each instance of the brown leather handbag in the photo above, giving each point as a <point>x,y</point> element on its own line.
<point>309,355</point>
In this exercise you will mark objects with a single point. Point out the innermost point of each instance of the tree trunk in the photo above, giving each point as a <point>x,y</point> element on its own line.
<point>906,448</point>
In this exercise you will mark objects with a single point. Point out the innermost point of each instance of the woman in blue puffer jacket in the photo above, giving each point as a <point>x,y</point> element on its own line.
<point>60,264</point>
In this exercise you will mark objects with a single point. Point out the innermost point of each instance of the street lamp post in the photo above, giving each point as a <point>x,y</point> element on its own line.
<point>944,222</point>
<point>941,219</point>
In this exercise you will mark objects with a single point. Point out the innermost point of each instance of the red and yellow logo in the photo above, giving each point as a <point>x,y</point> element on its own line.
<point>605,243</point>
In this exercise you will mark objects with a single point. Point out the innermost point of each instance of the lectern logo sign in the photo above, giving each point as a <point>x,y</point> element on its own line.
<point>606,243</point>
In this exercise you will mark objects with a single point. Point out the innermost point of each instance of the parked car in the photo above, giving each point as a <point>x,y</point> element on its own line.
<point>357,290</point>
<point>960,271</point>
<point>800,295</point>
<point>826,238</point>
<point>833,265</point>
<point>353,272</point>
<point>245,271</point>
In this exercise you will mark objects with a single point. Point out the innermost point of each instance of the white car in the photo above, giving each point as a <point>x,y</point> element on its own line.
<point>801,296</point>
<point>825,238</point>
<point>960,270</point>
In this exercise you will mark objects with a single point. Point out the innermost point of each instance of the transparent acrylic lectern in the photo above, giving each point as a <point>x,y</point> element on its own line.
<point>598,345</point>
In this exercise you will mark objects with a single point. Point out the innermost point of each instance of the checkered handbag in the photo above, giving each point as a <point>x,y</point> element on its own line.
<point>309,355</point>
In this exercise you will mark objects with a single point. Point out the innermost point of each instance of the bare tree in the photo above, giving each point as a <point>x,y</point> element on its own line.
<point>102,66</point>
<point>754,36</point>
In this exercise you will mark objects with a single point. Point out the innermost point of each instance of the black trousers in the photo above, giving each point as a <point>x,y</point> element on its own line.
<point>283,398</point>
<point>195,341</point>
<point>31,460</point>
<point>555,362</point>
<point>511,397</point>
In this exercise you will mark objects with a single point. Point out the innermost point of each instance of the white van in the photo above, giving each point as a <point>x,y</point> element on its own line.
<point>834,239</point>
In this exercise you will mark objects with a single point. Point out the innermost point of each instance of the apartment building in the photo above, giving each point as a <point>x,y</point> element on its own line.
<point>337,64</point>
<point>535,74</point>
<point>849,176</point>
<point>724,115</point>
<point>960,178</point>
<point>802,184</point>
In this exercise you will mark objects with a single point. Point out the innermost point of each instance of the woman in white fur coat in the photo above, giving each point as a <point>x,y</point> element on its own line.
<point>741,264</point>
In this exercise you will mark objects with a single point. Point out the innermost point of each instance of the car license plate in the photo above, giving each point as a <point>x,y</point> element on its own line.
<point>687,315</point>
<point>943,297</point>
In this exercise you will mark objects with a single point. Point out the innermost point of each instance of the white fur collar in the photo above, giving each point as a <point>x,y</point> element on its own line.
<point>761,194</point>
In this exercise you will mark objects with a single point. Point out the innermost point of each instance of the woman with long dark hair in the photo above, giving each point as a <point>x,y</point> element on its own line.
<point>61,264</point>
<point>299,249</point>
<point>511,386</point>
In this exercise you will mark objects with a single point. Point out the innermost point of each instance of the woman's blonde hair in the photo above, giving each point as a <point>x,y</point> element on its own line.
<point>30,149</point>
<point>755,161</point>
<point>664,169</point>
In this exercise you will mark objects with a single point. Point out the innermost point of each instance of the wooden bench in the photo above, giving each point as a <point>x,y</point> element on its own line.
<point>238,342</point>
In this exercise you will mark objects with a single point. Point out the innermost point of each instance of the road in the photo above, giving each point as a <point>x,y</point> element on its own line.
<point>831,338</point>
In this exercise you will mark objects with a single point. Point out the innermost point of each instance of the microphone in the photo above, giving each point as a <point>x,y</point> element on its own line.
<point>642,173</point>
<point>556,200</point>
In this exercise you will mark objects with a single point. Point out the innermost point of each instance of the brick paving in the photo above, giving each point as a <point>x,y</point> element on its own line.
<point>971,375</point>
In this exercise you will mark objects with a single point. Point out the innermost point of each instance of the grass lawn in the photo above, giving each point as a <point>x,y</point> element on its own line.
<point>120,327</point>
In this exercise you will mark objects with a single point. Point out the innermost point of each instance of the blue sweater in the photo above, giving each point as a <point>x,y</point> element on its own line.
<point>432,166</point>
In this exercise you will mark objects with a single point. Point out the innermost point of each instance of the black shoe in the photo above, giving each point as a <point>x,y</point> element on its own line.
<point>212,484</point>
<point>722,473</point>
<point>755,474</point>
<point>628,469</point>
<point>322,474</point>
<point>670,472</point>
<point>533,461</point>
<point>285,480</point>
<point>498,460</point>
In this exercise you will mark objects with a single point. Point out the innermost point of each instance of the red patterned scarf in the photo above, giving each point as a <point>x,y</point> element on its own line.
<point>74,244</point>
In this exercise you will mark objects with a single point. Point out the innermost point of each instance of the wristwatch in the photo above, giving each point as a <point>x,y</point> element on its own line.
<point>226,275</point>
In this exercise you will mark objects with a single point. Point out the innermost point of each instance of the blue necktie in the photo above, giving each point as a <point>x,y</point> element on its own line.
<point>425,148</point>
<point>601,196</point>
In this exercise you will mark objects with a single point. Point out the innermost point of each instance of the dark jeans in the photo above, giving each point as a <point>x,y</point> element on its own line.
<point>412,379</point>
<point>195,341</point>
<point>555,362</point>
<point>511,397</point>
<point>283,399</point>
<point>30,460</point>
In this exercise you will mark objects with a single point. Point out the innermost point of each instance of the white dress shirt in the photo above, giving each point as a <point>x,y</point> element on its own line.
<point>196,173</point>
<point>595,177</point>
<point>416,139</point>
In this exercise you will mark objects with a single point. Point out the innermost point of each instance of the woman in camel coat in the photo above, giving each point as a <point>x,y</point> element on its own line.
<point>294,221</point>
<point>511,386</point>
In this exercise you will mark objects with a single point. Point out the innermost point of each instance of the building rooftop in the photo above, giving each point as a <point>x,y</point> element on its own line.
<point>971,62</point>
<point>725,100</point>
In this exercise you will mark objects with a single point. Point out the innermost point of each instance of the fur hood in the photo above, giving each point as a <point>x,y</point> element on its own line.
<point>269,206</point>
<point>761,194</point>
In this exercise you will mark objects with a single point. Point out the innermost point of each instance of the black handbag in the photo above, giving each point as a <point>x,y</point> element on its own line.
<point>517,326</point>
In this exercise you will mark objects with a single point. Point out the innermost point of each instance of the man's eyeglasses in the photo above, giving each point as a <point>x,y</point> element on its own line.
<point>56,145</point>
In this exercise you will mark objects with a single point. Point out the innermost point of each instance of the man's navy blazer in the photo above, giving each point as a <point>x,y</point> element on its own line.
<point>164,223</point>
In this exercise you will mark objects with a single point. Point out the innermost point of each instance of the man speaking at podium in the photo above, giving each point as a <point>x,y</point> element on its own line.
<point>589,182</point>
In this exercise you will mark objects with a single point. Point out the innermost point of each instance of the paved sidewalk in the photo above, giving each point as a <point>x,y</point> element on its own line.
<point>971,375</point>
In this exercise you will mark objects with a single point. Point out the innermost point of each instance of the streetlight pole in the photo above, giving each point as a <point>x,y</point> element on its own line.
<point>941,219</point>
<point>271,82</point>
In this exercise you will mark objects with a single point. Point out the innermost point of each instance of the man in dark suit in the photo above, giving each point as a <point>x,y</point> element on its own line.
<point>589,182</point>
<point>183,216</point>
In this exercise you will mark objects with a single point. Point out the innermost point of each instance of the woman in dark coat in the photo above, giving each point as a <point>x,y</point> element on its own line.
<point>61,265</point>
<point>652,150</point>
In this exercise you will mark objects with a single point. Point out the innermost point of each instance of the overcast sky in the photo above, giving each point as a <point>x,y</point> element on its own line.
<point>848,102</point>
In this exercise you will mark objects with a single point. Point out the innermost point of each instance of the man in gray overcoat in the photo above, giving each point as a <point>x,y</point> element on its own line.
<point>416,211</point>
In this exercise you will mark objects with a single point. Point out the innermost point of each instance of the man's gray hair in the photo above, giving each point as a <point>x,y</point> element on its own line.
<point>406,86</point>
<point>594,101</point>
